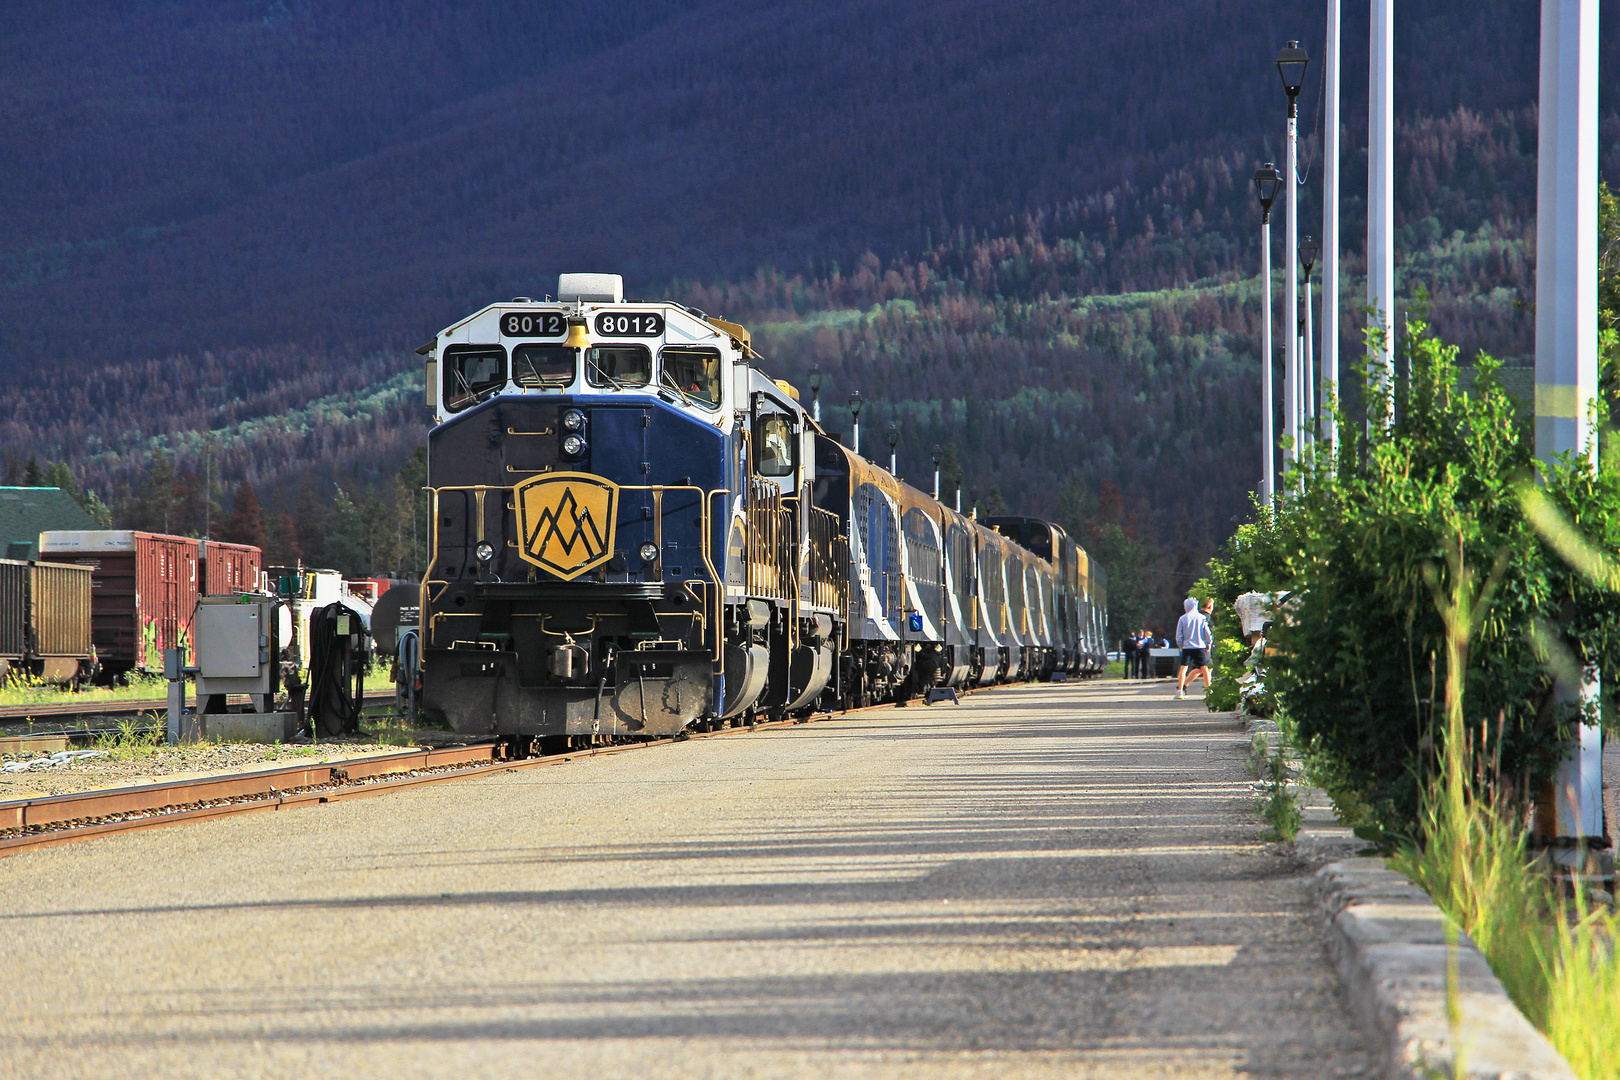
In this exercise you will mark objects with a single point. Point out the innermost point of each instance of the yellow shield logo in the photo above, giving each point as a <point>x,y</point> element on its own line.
<point>567,522</point>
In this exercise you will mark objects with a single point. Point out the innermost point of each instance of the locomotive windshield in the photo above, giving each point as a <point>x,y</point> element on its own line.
<point>693,373</point>
<point>549,367</point>
<point>619,366</point>
<point>473,373</point>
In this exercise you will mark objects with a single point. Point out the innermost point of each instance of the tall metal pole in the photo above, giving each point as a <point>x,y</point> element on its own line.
<point>1566,332</point>
<point>1266,182</point>
<point>1381,190</point>
<point>1291,417</point>
<point>1268,436</point>
<point>1330,228</point>
<point>1307,384</point>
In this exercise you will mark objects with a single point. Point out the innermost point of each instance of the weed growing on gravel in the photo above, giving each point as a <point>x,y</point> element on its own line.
<point>279,750</point>
<point>1278,804</point>
<point>130,742</point>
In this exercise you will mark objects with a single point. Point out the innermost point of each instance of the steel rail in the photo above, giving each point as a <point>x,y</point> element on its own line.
<point>26,824</point>
<point>121,708</point>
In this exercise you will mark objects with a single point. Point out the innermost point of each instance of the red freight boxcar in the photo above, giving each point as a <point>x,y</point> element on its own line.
<point>145,587</point>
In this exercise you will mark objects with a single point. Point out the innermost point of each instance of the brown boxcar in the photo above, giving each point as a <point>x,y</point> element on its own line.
<point>145,588</point>
<point>45,628</point>
<point>13,613</point>
<point>60,620</point>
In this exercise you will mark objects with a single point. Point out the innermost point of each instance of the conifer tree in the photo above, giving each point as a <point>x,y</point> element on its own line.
<point>247,524</point>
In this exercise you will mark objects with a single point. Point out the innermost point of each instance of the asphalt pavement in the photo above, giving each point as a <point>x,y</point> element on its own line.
<point>1053,880</point>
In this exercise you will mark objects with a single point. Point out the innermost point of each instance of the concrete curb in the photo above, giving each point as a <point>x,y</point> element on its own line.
<point>1388,943</point>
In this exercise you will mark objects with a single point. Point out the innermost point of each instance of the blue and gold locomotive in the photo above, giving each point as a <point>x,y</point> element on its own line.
<point>637,531</point>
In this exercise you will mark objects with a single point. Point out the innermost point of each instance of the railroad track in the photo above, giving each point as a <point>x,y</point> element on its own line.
<point>124,708</point>
<point>32,823</point>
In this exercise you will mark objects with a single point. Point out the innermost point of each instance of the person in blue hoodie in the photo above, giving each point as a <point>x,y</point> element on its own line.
<point>1194,639</point>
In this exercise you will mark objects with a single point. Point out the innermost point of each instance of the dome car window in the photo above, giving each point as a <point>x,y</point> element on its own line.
<point>692,373</point>
<point>773,445</point>
<point>549,367</point>
<point>472,373</point>
<point>619,366</point>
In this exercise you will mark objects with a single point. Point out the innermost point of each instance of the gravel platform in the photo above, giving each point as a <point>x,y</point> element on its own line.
<point>189,761</point>
<point>1044,881</point>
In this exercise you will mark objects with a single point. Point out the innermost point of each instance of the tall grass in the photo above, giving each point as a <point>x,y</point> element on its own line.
<point>1554,956</point>
<point>26,690</point>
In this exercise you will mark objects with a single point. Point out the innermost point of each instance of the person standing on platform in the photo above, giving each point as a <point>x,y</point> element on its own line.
<point>1194,638</point>
<point>1144,658</point>
<point>1132,645</point>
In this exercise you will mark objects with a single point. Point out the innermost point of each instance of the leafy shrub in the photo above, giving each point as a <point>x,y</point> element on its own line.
<point>1360,664</point>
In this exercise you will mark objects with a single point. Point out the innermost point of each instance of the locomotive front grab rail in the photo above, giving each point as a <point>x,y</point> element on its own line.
<point>480,492</point>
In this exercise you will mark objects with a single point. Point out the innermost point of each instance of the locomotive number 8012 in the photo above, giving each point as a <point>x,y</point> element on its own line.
<point>638,531</point>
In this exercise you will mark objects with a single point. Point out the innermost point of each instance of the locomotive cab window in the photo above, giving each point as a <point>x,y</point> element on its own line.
<point>547,367</point>
<point>693,373</point>
<point>618,366</point>
<point>774,445</point>
<point>472,373</point>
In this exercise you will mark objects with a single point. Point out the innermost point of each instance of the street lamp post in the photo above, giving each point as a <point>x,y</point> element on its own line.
<point>1329,353</point>
<point>1381,197</point>
<point>1308,251</point>
<point>815,395</point>
<point>855,404</point>
<point>893,435</point>
<point>1266,182</point>
<point>938,453</point>
<point>1291,64</point>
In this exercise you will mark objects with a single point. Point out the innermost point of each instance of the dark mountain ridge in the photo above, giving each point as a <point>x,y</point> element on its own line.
<point>1024,230</point>
<point>258,174</point>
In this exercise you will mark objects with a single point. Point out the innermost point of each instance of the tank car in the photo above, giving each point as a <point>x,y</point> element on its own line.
<point>636,530</point>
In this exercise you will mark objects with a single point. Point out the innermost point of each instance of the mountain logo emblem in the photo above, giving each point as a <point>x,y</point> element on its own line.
<point>567,521</point>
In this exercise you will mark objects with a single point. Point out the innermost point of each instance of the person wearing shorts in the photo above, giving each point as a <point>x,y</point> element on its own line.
<point>1194,638</point>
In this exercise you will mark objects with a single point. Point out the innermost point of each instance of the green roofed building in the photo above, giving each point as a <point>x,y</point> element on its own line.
<point>25,512</point>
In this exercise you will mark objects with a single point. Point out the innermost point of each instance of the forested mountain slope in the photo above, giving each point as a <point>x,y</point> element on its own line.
<point>239,217</point>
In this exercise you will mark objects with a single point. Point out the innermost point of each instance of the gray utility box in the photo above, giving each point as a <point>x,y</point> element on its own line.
<point>237,651</point>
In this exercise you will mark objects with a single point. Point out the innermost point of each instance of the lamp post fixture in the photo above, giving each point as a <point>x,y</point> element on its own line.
<point>1308,252</point>
<point>1291,64</point>
<point>938,453</point>
<point>1266,183</point>
<point>815,395</point>
<point>893,436</point>
<point>855,404</point>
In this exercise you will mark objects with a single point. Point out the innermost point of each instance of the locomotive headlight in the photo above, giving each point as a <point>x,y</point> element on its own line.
<point>573,420</point>
<point>573,445</point>
<point>485,551</point>
<point>649,552</point>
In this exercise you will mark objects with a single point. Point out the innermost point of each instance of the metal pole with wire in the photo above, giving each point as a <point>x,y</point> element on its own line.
<point>1291,64</point>
<point>1267,180</point>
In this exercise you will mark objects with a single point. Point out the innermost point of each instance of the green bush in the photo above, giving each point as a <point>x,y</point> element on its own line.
<point>1253,559</point>
<point>1359,663</point>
